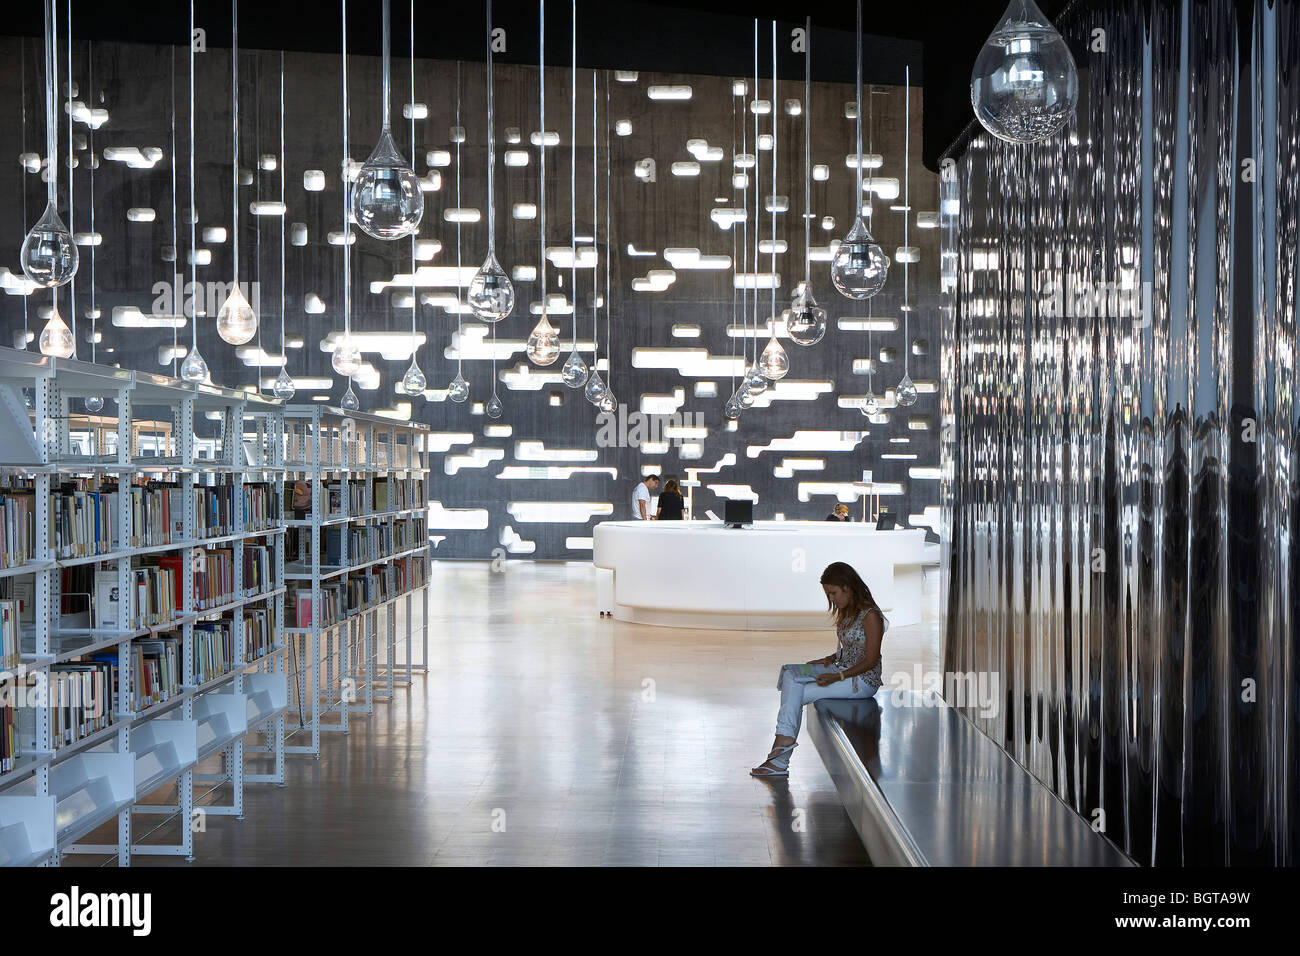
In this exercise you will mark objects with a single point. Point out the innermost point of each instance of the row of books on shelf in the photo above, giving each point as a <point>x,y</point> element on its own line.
<point>17,526</point>
<point>339,597</point>
<point>408,573</point>
<point>214,642</point>
<point>157,594</point>
<point>150,601</point>
<point>398,494</point>
<point>84,516</point>
<point>10,649</point>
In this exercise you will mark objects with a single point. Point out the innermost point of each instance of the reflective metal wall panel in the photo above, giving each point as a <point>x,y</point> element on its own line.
<point>1120,478</point>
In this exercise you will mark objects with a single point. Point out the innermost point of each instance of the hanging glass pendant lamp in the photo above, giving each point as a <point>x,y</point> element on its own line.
<point>491,293</point>
<point>860,266</point>
<point>236,321</point>
<point>414,381</point>
<point>805,322</point>
<point>905,392</point>
<point>48,255</point>
<point>1024,86</point>
<point>387,202</point>
<point>543,345</point>
<point>346,359</point>
<point>773,363</point>
<point>350,402</point>
<point>283,387</point>
<point>56,338</point>
<point>733,407</point>
<point>458,390</point>
<point>575,369</point>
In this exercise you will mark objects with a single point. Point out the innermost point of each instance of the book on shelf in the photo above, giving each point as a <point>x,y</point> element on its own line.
<point>108,602</point>
<point>10,746</point>
<point>213,649</point>
<point>258,632</point>
<point>17,526</point>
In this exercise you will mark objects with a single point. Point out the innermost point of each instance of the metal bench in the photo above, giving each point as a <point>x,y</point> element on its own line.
<point>925,787</point>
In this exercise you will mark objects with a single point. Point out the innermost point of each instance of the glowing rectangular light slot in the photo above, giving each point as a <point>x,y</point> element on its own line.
<point>313,180</point>
<point>634,251</point>
<point>821,173</point>
<point>757,280</point>
<point>415,111</point>
<point>140,214</point>
<point>765,141</point>
<point>312,304</point>
<point>537,451</point>
<point>626,76</point>
<point>524,210</point>
<point>550,138</point>
<point>793,108</point>
<point>268,208</point>
<point>214,234</point>
<point>130,317</point>
<point>524,273</point>
<point>871,324</point>
<point>686,169</point>
<point>743,161</point>
<point>437,158</point>
<point>199,257</point>
<point>426,249</point>
<point>739,88</point>
<point>725,217</point>
<point>297,234</point>
<point>760,107</point>
<point>623,127</point>
<point>766,247</point>
<point>516,157</point>
<point>907,254</point>
<point>706,389</point>
<point>681,331</point>
<point>776,204</point>
<point>498,431</point>
<point>88,238</point>
<point>883,186</point>
<point>678,92</point>
<point>461,214</point>
<point>869,161</point>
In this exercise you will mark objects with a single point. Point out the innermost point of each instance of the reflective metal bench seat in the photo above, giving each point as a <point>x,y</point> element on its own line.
<point>925,787</point>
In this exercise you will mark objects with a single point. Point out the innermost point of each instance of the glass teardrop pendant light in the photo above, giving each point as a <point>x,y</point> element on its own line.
<point>595,390</point>
<point>48,255</point>
<point>608,403</point>
<point>387,202</point>
<point>746,398</point>
<point>193,368</point>
<point>733,407</point>
<point>860,266</point>
<point>236,321</point>
<point>755,382</point>
<point>56,338</point>
<point>805,322</point>
<point>1024,86</point>
<point>458,390</point>
<point>95,404</point>
<point>350,402</point>
<point>493,407</point>
<point>414,382</point>
<point>576,372</point>
<point>872,405</point>
<point>284,388</point>
<point>346,359</point>
<point>774,363</point>
<point>491,293</point>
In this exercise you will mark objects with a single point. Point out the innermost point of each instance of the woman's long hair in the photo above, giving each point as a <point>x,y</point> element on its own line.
<point>672,487</point>
<point>842,575</point>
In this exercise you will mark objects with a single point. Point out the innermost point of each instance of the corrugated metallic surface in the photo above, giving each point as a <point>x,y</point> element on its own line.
<point>1122,491</point>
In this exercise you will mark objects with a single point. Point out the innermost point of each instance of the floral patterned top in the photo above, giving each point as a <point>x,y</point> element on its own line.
<point>852,648</point>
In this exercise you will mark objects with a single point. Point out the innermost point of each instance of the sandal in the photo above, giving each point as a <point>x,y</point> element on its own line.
<point>777,769</point>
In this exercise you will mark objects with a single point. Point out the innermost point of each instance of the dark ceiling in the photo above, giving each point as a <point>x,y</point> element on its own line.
<point>938,40</point>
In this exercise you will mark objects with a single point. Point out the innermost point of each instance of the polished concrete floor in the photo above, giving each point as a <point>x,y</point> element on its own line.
<point>545,735</point>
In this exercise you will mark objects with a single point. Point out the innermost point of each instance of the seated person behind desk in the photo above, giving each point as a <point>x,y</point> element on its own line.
<point>841,513</point>
<point>670,502</point>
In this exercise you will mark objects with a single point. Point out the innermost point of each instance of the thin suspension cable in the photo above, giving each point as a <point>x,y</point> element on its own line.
<point>415,302</point>
<point>460,342</point>
<point>284,278</point>
<point>72,181</point>
<point>609,247</point>
<point>491,133</point>
<point>907,205</point>
<point>176,248</point>
<point>573,176</point>
<point>194,269</point>
<point>234,132</point>
<point>347,219</point>
<point>772,199</point>
<point>90,144</point>
<point>595,247</point>
<point>744,246</point>
<point>734,264</point>
<point>22,132</point>
<point>51,82</point>
<point>758,191</point>
<point>541,145</point>
<point>388,95</point>
<point>857,196</point>
<point>256,289</point>
<point>807,154</point>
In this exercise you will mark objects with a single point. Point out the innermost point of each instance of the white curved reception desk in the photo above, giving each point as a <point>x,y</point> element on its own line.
<point>766,577</point>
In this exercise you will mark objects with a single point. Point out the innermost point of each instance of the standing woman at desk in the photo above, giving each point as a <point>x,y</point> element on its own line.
<point>670,502</point>
<point>853,671</point>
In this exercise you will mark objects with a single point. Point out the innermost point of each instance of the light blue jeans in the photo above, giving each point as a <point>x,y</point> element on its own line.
<point>794,695</point>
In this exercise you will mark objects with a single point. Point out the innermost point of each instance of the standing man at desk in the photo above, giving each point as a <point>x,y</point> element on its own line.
<point>641,497</point>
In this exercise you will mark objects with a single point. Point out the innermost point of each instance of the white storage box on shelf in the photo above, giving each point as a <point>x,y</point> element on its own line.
<point>27,830</point>
<point>91,788</point>
<point>268,696</point>
<point>222,718</point>
<point>163,749</point>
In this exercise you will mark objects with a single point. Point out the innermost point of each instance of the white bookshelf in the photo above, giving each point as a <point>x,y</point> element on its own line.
<point>339,670</point>
<point>55,796</point>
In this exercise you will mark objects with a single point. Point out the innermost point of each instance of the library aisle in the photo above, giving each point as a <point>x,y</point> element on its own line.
<point>536,738</point>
